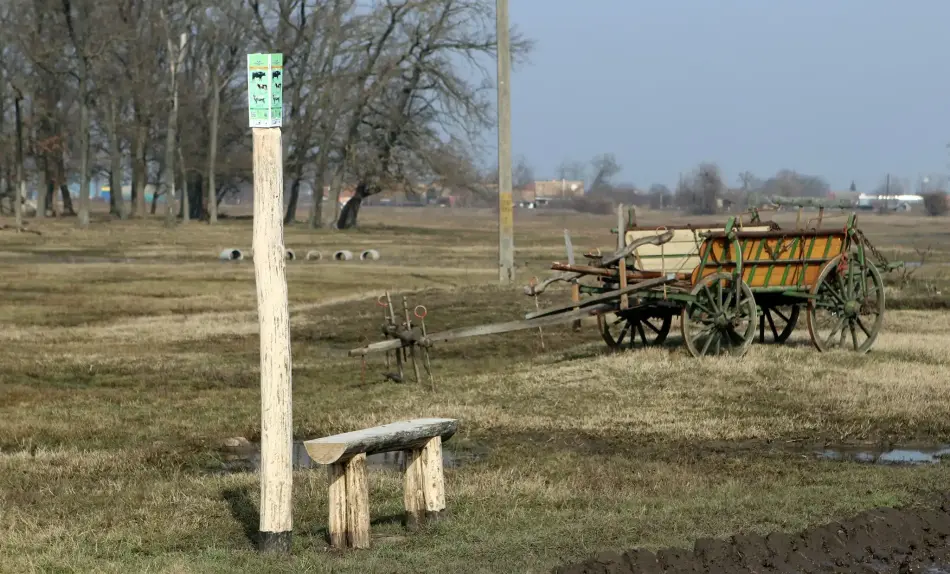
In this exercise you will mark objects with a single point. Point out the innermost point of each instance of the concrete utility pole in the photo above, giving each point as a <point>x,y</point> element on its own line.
<point>506,240</point>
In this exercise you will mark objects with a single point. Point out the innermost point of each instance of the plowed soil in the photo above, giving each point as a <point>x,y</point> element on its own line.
<point>879,541</point>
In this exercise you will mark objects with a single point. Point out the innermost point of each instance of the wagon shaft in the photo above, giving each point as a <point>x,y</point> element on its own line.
<point>406,339</point>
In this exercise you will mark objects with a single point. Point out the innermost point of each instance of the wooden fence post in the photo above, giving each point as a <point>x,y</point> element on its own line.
<point>265,79</point>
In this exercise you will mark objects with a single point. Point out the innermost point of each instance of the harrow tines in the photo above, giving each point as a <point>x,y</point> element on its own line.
<point>425,350</point>
<point>412,348</point>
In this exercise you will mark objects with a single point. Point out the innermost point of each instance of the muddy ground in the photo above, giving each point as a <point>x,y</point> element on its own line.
<point>878,541</point>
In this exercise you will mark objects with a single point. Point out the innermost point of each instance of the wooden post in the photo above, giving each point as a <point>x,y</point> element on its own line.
<point>506,242</point>
<point>621,243</point>
<point>414,489</point>
<point>575,284</point>
<point>357,502</point>
<point>336,500</point>
<point>433,486</point>
<point>276,522</point>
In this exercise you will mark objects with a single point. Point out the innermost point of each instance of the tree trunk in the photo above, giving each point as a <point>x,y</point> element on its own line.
<point>49,193</point>
<point>315,217</point>
<point>83,151</point>
<point>168,180</point>
<point>197,201</point>
<point>115,167</point>
<point>139,168</point>
<point>185,203</point>
<point>335,186</point>
<point>213,148</point>
<point>67,200</point>
<point>351,210</point>
<point>289,216</point>
<point>20,185</point>
<point>171,133</point>
<point>42,191</point>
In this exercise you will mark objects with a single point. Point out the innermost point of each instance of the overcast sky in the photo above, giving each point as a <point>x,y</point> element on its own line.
<point>845,89</point>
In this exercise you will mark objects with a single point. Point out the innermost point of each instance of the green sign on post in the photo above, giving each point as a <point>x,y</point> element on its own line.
<point>265,81</point>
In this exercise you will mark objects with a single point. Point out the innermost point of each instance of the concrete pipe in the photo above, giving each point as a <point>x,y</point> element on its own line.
<point>369,254</point>
<point>289,255</point>
<point>343,255</point>
<point>231,255</point>
<point>314,256</point>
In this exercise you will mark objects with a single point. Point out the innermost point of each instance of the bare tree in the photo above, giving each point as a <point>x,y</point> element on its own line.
<point>571,170</point>
<point>374,90</point>
<point>176,56</point>
<point>220,36</point>
<point>77,15</point>
<point>138,49</point>
<point>605,167</point>
<point>701,191</point>
<point>522,175</point>
<point>660,196</point>
<point>426,92</point>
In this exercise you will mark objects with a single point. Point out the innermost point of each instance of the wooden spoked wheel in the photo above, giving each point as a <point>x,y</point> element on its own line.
<point>778,322</point>
<point>848,305</point>
<point>719,320</point>
<point>633,329</point>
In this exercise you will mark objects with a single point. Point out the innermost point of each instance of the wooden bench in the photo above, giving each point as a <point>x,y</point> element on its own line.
<point>679,255</point>
<point>348,487</point>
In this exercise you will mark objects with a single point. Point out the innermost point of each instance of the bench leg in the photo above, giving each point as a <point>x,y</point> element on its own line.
<point>357,502</point>
<point>414,489</point>
<point>434,480</point>
<point>336,499</point>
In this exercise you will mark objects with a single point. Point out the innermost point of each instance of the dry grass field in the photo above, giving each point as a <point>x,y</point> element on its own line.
<point>128,354</point>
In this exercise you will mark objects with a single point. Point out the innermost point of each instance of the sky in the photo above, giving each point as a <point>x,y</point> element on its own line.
<point>844,89</point>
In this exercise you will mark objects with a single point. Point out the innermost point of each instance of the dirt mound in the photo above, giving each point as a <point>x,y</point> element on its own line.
<point>879,541</point>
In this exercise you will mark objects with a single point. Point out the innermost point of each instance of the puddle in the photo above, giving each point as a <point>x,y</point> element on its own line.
<point>899,455</point>
<point>246,457</point>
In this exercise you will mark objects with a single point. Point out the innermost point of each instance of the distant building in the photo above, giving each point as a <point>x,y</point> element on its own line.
<point>851,197</point>
<point>558,189</point>
<point>901,202</point>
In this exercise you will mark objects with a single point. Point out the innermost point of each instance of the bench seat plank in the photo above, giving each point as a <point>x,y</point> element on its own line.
<point>402,435</point>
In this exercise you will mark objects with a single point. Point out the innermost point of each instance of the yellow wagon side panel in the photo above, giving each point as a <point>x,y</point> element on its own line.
<point>790,261</point>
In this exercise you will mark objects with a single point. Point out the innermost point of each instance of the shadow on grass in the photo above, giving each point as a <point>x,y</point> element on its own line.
<point>323,532</point>
<point>244,510</point>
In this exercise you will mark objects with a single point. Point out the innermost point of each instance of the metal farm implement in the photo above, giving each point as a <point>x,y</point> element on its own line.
<point>726,284</point>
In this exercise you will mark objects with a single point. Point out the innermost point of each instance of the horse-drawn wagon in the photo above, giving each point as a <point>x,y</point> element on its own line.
<point>724,284</point>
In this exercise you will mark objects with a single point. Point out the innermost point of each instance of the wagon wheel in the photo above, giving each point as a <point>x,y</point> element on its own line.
<point>848,307</point>
<point>716,321</point>
<point>780,320</point>
<point>634,329</point>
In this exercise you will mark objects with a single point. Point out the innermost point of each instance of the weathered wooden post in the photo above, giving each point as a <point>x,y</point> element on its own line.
<point>621,243</point>
<point>264,82</point>
<point>506,241</point>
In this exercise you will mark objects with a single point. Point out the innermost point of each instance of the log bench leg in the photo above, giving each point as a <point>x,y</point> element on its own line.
<point>336,479</point>
<point>424,489</point>
<point>357,502</point>
<point>433,487</point>
<point>348,502</point>
<point>413,495</point>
